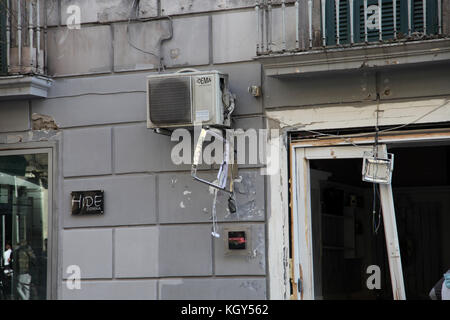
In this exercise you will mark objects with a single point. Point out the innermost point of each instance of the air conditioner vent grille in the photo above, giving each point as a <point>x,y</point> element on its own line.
<point>170,100</point>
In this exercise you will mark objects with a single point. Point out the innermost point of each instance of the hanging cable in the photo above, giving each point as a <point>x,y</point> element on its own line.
<point>158,56</point>
<point>376,226</point>
<point>365,134</point>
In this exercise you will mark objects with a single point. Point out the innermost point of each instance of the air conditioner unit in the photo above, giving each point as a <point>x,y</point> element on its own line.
<point>188,98</point>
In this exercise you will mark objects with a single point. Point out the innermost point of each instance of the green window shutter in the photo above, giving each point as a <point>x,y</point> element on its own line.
<point>387,20</point>
<point>431,15</point>
<point>3,63</point>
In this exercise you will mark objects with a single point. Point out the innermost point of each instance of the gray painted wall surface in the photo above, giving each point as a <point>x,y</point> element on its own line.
<point>154,240</point>
<point>359,87</point>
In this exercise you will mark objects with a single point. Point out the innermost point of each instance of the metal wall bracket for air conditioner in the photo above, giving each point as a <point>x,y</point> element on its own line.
<point>377,170</point>
<point>222,175</point>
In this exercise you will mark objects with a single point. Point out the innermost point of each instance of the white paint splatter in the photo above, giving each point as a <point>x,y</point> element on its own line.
<point>186,192</point>
<point>182,205</point>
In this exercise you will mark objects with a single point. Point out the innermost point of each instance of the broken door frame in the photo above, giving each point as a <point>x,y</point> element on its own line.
<point>302,271</point>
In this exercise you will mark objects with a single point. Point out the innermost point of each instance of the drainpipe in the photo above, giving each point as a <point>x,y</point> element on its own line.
<point>297,23</point>
<point>30,32</point>
<point>310,4</point>
<point>19,36</point>
<point>258,22</point>
<point>8,36</point>
<point>324,34</point>
<point>283,9</point>
<point>38,35</point>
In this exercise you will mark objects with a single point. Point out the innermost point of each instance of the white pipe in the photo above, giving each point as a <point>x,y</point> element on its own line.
<point>324,36</point>
<point>366,38</point>
<point>352,36</point>
<point>38,35</point>
<point>8,37</point>
<point>270,28</point>
<point>439,16</point>
<point>337,22</point>
<point>425,16</point>
<point>19,36</point>
<point>258,22</point>
<point>44,67</point>
<point>380,22</point>
<point>30,31</point>
<point>283,8</point>
<point>297,22</point>
<point>263,26</point>
<point>310,4</point>
<point>409,17</point>
<point>394,7</point>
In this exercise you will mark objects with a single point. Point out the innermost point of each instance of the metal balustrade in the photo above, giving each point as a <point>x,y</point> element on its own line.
<point>302,25</point>
<point>23,37</point>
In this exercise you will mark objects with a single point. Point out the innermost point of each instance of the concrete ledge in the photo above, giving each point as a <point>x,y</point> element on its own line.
<point>24,87</point>
<point>346,58</point>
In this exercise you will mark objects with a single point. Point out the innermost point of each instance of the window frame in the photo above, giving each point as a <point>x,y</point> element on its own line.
<point>52,244</point>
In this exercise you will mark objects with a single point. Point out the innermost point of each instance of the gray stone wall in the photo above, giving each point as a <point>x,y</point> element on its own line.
<point>154,240</point>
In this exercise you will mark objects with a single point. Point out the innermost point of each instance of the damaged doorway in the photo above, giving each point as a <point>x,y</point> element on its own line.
<point>348,239</point>
<point>333,226</point>
<point>421,188</point>
<point>333,247</point>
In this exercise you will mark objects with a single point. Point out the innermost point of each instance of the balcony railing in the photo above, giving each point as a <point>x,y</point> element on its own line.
<point>22,37</point>
<point>303,25</point>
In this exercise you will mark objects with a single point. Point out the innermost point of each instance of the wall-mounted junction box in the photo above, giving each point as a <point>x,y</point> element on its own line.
<point>238,240</point>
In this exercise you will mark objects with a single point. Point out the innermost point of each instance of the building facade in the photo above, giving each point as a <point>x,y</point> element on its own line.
<point>73,118</point>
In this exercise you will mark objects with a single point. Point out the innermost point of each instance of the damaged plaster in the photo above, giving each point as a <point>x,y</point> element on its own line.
<point>43,122</point>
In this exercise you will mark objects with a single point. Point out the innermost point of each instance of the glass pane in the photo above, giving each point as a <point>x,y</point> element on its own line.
<point>23,226</point>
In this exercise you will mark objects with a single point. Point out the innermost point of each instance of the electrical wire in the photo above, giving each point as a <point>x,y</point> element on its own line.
<point>133,5</point>
<point>214,232</point>
<point>365,134</point>
<point>375,154</point>
<point>377,132</point>
<point>158,56</point>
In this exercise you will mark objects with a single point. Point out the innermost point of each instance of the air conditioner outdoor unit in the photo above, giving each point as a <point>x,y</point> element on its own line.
<point>188,98</point>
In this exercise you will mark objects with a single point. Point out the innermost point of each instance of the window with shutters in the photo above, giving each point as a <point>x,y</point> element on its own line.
<point>3,62</point>
<point>339,32</point>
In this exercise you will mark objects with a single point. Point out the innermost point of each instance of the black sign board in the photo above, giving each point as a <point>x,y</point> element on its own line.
<point>87,202</point>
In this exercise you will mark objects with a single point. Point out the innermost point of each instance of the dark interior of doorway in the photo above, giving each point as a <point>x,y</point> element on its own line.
<point>344,241</point>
